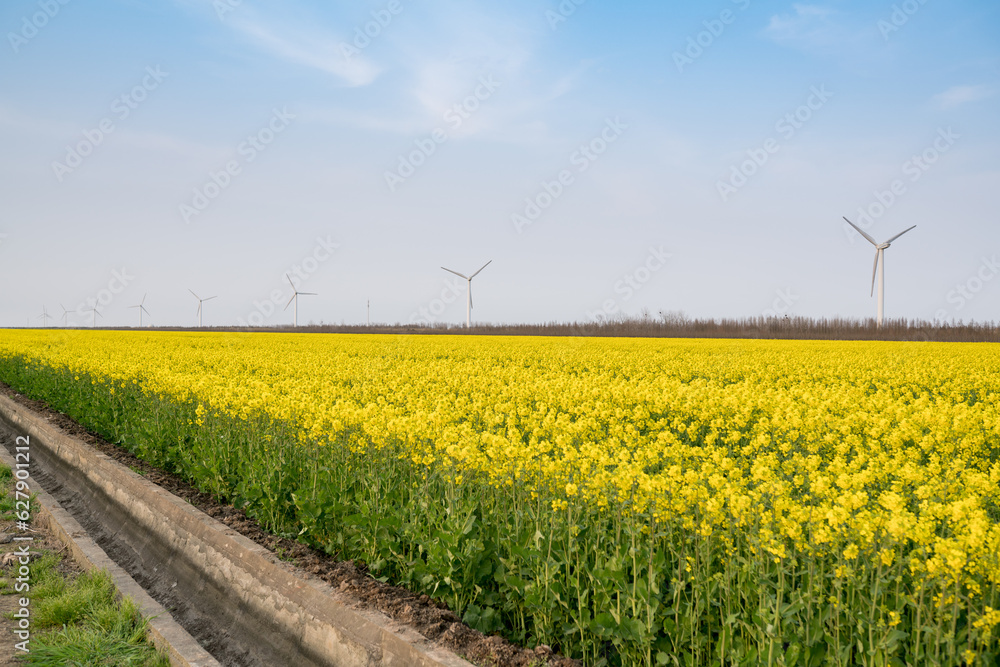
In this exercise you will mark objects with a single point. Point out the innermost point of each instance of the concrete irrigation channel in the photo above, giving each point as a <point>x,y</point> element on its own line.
<point>231,601</point>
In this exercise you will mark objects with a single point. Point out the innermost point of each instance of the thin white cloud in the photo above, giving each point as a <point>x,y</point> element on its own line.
<point>810,24</point>
<point>957,96</point>
<point>303,48</point>
<point>293,42</point>
<point>568,83</point>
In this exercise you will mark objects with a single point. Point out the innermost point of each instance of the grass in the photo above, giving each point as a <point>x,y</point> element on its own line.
<point>84,623</point>
<point>78,620</point>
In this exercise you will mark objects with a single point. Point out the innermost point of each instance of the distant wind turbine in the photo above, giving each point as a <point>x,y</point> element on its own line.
<point>96,314</point>
<point>200,301</point>
<point>880,249</point>
<point>142,309</point>
<point>295,298</point>
<point>44,317</point>
<point>65,315</point>
<point>468,306</point>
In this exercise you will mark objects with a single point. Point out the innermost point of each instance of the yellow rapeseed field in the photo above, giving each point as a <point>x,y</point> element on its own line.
<point>880,461</point>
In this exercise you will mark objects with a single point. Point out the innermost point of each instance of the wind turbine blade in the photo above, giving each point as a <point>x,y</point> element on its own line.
<point>290,282</point>
<point>860,231</point>
<point>874,270</point>
<point>456,273</point>
<point>294,294</point>
<point>211,297</point>
<point>195,295</point>
<point>308,294</point>
<point>144,309</point>
<point>899,234</point>
<point>477,272</point>
<point>143,298</point>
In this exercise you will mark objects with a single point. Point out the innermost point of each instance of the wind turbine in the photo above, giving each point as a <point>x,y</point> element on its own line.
<point>44,317</point>
<point>468,307</point>
<point>200,301</point>
<point>65,316</point>
<point>880,249</point>
<point>96,313</point>
<point>295,298</point>
<point>142,309</point>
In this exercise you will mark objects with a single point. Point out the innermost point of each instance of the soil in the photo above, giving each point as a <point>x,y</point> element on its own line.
<point>430,618</point>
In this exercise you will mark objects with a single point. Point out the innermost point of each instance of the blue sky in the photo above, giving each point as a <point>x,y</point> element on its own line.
<point>607,157</point>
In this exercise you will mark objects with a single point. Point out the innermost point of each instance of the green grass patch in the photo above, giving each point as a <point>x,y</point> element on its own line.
<point>77,621</point>
<point>88,625</point>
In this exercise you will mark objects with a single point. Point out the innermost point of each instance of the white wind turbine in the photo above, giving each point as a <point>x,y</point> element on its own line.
<point>142,309</point>
<point>295,298</point>
<point>468,306</point>
<point>44,317</point>
<point>880,249</point>
<point>96,313</point>
<point>65,315</point>
<point>200,301</point>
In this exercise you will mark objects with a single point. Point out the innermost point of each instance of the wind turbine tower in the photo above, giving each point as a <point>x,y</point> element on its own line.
<point>295,298</point>
<point>468,306</point>
<point>200,301</point>
<point>142,309</point>
<point>879,267</point>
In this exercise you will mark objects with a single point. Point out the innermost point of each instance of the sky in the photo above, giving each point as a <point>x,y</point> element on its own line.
<point>607,158</point>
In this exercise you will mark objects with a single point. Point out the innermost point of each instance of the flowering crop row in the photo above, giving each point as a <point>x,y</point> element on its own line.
<point>625,501</point>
